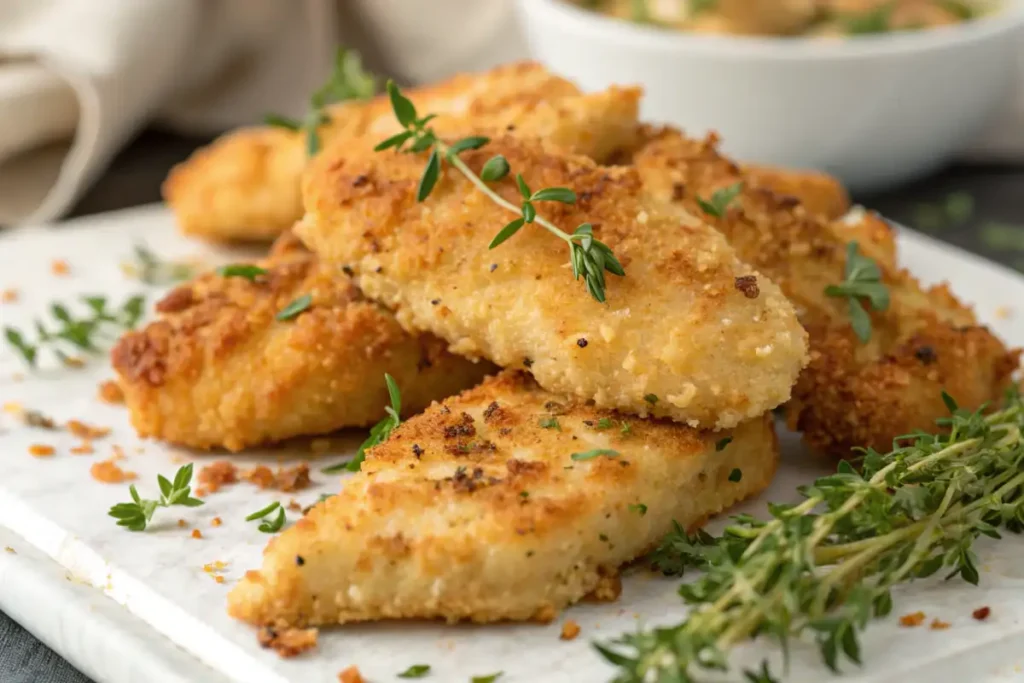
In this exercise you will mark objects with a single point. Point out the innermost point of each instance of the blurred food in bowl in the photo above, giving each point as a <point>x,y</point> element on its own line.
<point>793,17</point>
<point>873,110</point>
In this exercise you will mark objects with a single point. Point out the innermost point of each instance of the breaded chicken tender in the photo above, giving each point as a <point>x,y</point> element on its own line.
<point>820,193</point>
<point>218,370</point>
<point>506,502</point>
<point>852,393</point>
<point>690,333</point>
<point>245,186</point>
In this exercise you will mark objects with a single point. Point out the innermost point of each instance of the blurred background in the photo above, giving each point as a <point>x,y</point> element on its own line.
<point>917,105</point>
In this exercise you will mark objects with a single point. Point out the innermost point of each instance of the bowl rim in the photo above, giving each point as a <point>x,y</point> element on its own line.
<point>1006,19</point>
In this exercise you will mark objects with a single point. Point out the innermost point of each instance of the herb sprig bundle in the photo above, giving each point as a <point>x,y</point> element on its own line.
<point>380,431</point>
<point>825,567</point>
<point>138,513</point>
<point>69,331</point>
<point>269,525</point>
<point>862,280</point>
<point>154,270</point>
<point>590,258</point>
<point>348,81</point>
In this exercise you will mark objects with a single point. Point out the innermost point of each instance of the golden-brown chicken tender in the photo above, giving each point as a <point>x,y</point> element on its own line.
<point>689,333</point>
<point>246,185</point>
<point>218,370</point>
<point>477,509</point>
<point>820,193</point>
<point>852,393</point>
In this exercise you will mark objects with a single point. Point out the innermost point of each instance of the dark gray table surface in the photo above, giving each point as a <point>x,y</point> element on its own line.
<point>993,228</point>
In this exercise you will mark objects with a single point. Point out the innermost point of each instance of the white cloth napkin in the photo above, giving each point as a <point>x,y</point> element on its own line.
<point>79,78</point>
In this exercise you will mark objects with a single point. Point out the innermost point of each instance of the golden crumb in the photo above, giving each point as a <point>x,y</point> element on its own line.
<point>60,267</point>
<point>111,392</point>
<point>118,452</point>
<point>84,448</point>
<point>11,550</point>
<point>939,625</point>
<point>287,479</point>
<point>108,472</point>
<point>216,521</point>
<point>41,450</point>
<point>570,629</point>
<point>913,619</point>
<point>351,675</point>
<point>196,533</point>
<point>84,431</point>
<point>182,524</point>
<point>201,492</point>
<point>1003,313</point>
<point>13,407</point>
<point>215,475</point>
<point>73,361</point>
<point>261,475</point>
<point>9,296</point>
<point>288,642</point>
<point>294,505</point>
<point>219,578</point>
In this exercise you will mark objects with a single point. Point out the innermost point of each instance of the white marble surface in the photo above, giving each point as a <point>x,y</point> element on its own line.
<point>58,511</point>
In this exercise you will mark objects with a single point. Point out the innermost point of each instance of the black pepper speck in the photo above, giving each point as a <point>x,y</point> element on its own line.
<point>581,342</point>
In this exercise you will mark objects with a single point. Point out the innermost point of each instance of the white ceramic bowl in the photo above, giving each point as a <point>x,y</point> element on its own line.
<point>872,110</point>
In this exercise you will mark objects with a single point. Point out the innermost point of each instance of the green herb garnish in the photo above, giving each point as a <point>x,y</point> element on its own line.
<point>720,200</point>
<point>380,431</point>
<point>81,333</point>
<point>604,423</point>
<point>638,508</point>
<point>736,475</point>
<point>153,270</point>
<point>415,671</point>
<point>348,81</point>
<point>590,258</point>
<point>651,398</point>
<point>824,567</point>
<point>295,308</point>
<point>244,270</point>
<point>597,452</point>
<point>872,21</point>
<point>489,678</point>
<point>863,280</point>
<point>269,526</point>
<point>626,429</point>
<point>138,513</point>
<point>550,423</point>
<point>1003,236</point>
<point>721,444</point>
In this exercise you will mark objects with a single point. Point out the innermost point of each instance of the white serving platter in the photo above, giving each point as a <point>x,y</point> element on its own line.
<point>127,607</point>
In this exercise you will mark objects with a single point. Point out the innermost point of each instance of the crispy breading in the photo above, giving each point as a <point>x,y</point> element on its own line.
<point>217,370</point>
<point>681,335</point>
<point>476,510</point>
<point>245,185</point>
<point>851,394</point>
<point>820,193</point>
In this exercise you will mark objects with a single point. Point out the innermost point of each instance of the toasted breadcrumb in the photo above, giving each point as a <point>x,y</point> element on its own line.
<point>60,267</point>
<point>196,533</point>
<point>219,578</point>
<point>13,407</point>
<point>216,475</point>
<point>108,472</point>
<point>214,566</point>
<point>182,524</point>
<point>294,505</point>
<point>288,479</point>
<point>216,521</point>
<point>111,392</point>
<point>84,448</point>
<point>73,361</point>
<point>1003,313</point>
<point>84,431</point>
<point>41,450</point>
<point>288,642</point>
<point>913,619</point>
<point>570,629</point>
<point>981,614</point>
<point>9,296</point>
<point>351,675</point>
<point>11,550</point>
<point>939,625</point>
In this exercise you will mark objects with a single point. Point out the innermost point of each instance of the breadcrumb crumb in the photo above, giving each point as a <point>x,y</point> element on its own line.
<point>9,296</point>
<point>11,550</point>
<point>216,475</point>
<point>110,392</point>
<point>288,642</point>
<point>84,431</point>
<point>1003,313</point>
<point>570,629</point>
<point>182,524</point>
<point>913,619</point>
<point>108,472</point>
<point>84,448</point>
<point>216,521</point>
<point>981,614</point>
<point>60,267</point>
<point>196,533</point>
<point>287,479</point>
<point>41,450</point>
<point>939,625</point>
<point>351,675</point>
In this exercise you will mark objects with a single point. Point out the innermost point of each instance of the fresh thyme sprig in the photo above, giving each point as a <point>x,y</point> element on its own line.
<point>269,525</point>
<point>80,333</point>
<point>720,200</point>
<point>862,280</point>
<point>590,257</point>
<point>825,567</point>
<point>379,433</point>
<point>348,81</point>
<point>138,513</point>
<point>153,270</point>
